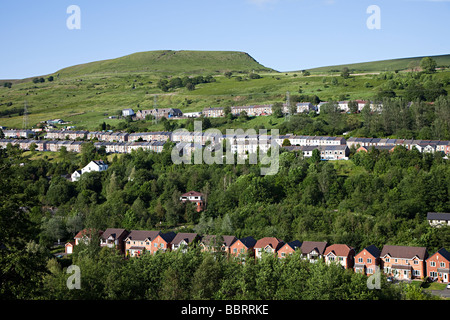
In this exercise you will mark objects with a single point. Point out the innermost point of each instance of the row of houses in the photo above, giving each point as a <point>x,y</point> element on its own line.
<point>107,136</point>
<point>400,262</point>
<point>76,146</point>
<point>425,146</point>
<point>362,144</point>
<point>250,110</point>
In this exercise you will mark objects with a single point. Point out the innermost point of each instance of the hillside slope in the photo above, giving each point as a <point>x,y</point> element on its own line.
<point>170,62</point>
<point>383,65</point>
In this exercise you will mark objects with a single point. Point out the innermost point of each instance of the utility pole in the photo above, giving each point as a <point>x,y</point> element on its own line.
<point>155,105</point>
<point>25,117</point>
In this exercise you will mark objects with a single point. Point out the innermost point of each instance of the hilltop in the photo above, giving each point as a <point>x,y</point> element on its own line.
<point>171,62</point>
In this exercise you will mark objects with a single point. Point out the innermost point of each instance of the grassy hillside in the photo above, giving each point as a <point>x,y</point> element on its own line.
<point>383,65</point>
<point>170,62</point>
<point>88,94</point>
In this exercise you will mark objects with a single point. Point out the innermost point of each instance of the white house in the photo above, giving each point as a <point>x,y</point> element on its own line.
<point>76,175</point>
<point>95,165</point>
<point>128,112</point>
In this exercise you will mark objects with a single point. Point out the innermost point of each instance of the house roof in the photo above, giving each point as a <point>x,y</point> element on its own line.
<point>192,194</point>
<point>188,237</point>
<point>275,243</point>
<point>373,250</point>
<point>99,162</point>
<point>142,235</point>
<point>294,244</point>
<point>404,252</point>
<point>438,216</point>
<point>115,233</point>
<point>167,237</point>
<point>309,246</point>
<point>444,253</point>
<point>86,232</point>
<point>249,242</point>
<point>341,250</point>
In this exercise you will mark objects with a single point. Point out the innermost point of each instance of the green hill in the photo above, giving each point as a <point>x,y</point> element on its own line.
<point>383,65</point>
<point>171,62</point>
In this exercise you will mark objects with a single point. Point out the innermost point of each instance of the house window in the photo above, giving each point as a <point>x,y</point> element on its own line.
<point>155,245</point>
<point>442,264</point>
<point>416,272</point>
<point>369,271</point>
<point>387,260</point>
<point>416,262</point>
<point>234,250</point>
<point>369,260</point>
<point>433,274</point>
<point>432,264</point>
<point>360,260</point>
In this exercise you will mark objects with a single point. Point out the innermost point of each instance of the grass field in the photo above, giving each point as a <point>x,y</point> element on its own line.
<point>383,65</point>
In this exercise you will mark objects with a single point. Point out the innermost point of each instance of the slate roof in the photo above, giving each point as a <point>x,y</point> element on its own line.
<point>438,216</point>
<point>308,246</point>
<point>404,252</point>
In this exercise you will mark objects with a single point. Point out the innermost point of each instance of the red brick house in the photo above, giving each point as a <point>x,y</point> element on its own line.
<point>209,243</point>
<point>438,266</point>
<point>341,253</point>
<point>288,249</point>
<point>269,245</point>
<point>243,246</point>
<point>367,260</point>
<point>139,241</point>
<point>162,242</point>
<point>404,263</point>
<point>195,197</point>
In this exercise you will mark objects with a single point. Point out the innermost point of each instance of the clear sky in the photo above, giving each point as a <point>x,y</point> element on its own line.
<point>286,35</point>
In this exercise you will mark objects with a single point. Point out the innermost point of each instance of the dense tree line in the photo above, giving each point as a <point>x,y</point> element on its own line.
<point>395,117</point>
<point>375,198</point>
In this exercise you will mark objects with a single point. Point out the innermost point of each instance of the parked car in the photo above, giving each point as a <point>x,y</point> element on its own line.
<point>448,286</point>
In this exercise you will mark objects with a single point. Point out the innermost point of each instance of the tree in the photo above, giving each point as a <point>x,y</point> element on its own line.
<point>353,106</point>
<point>286,142</point>
<point>277,110</point>
<point>190,86</point>
<point>228,74</point>
<point>206,279</point>
<point>428,65</point>
<point>345,73</point>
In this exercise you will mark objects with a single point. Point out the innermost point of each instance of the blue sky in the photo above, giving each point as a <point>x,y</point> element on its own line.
<point>286,35</point>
